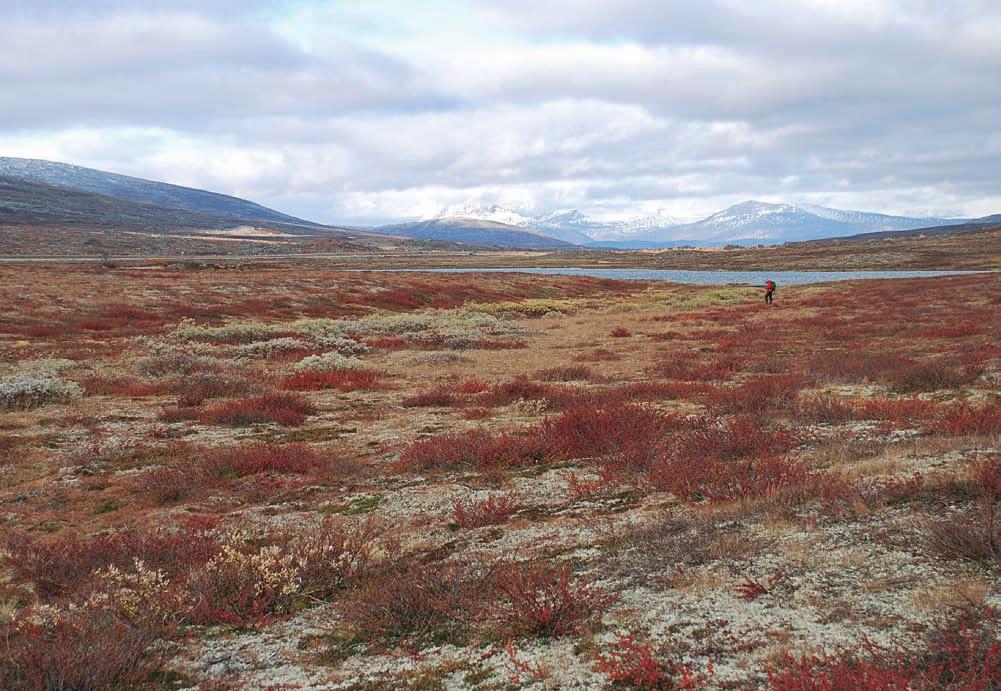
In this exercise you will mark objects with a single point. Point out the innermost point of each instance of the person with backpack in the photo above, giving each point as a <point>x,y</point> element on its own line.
<point>769,289</point>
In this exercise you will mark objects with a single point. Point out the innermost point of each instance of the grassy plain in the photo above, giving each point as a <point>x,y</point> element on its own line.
<point>281,475</point>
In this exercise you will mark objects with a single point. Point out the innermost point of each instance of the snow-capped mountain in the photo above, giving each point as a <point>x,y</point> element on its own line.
<point>750,222</point>
<point>481,212</point>
<point>569,225</point>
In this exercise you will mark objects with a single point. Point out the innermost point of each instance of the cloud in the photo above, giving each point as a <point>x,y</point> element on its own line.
<point>183,70</point>
<point>349,113</point>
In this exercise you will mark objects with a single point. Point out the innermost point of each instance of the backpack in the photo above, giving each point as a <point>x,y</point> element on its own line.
<point>770,285</point>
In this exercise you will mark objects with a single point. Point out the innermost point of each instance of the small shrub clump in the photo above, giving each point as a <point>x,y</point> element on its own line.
<point>27,391</point>
<point>284,408</point>
<point>493,510</point>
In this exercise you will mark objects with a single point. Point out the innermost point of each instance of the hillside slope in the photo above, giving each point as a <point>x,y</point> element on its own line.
<point>139,190</point>
<point>26,203</point>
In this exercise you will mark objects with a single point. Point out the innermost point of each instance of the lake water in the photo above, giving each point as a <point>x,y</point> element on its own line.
<point>713,277</point>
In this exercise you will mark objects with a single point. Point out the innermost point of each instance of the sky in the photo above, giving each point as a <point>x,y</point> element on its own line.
<point>367,111</point>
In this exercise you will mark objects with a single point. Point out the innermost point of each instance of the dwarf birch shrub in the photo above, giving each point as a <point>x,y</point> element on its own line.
<point>273,347</point>
<point>31,390</point>
<point>327,362</point>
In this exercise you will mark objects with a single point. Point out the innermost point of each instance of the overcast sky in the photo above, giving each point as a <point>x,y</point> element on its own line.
<point>369,110</point>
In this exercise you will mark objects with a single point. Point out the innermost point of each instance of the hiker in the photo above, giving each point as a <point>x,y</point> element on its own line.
<point>769,289</point>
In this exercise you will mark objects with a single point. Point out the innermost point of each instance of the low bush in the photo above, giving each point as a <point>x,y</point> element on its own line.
<point>516,390</point>
<point>942,372</point>
<point>567,373</point>
<point>283,409</point>
<point>327,362</point>
<point>31,390</point>
<point>123,386</point>
<point>740,436</point>
<point>955,657</point>
<point>963,418</point>
<point>472,386</point>
<point>542,600</point>
<point>259,458</point>
<point>438,397</point>
<point>756,396</point>
<point>975,534</point>
<point>631,434</point>
<point>194,389</point>
<point>632,664</point>
<point>341,380</point>
<point>61,566</point>
<point>475,449</point>
<point>496,508</point>
<point>250,581</point>
<point>87,649</point>
<point>415,603</point>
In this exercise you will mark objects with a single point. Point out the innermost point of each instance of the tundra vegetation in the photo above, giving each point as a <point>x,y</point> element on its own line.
<point>291,477</point>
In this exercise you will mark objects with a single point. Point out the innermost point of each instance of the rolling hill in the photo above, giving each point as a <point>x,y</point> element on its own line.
<point>138,190</point>
<point>28,203</point>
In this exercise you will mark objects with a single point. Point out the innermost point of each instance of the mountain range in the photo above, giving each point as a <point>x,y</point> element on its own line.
<point>38,192</point>
<point>748,223</point>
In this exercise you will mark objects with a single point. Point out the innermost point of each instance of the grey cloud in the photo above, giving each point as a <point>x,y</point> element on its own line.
<point>183,71</point>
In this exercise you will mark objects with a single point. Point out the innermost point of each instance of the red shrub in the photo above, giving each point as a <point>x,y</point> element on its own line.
<point>43,331</point>
<point>578,488</point>
<point>963,418</point>
<point>121,386</point>
<point>8,443</point>
<point>473,449</point>
<point>495,509</point>
<point>686,367</point>
<point>411,602</point>
<point>855,366</point>
<point>517,390</point>
<point>737,437</point>
<point>471,386</point>
<point>563,374</point>
<point>631,434</point>
<point>166,485</point>
<point>434,398</point>
<point>65,564</point>
<point>949,330</point>
<point>260,458</point>
<point>541,600</point>
<point>386,342</point>
<point>962,657</point>
<point>599,355</point>
<point>444,451</point>
<point>284,409</point>
<point>342,380</point>
<point>671,390</point>
<point>826,408</point>
<point>721,480</point>
<point>763,393</point>
<point>632,664</point>
<point>194,389</point>
<point>943,372</point>
<point>94,648</point>
<point>511,450</point>
<point>620,332</point>
<point>898,410</point>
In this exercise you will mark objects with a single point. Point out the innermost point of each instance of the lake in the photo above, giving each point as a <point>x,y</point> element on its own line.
<point>711,277</point>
